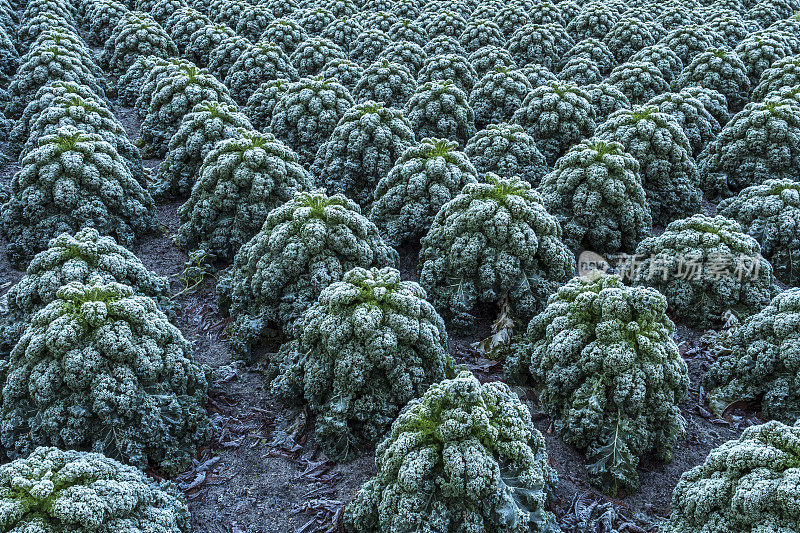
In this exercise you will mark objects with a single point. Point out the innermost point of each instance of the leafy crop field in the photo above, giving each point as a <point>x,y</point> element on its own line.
<point>435,266</point>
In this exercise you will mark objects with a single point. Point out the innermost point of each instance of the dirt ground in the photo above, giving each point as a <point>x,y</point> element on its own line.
<point>263,472</point>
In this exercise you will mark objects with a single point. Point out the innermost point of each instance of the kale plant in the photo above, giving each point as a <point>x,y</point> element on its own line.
<point>343,32</point>
<point>101,368</point>
<point>596,194</point>
<point>129,84</point>
<point>490,58</point>
<point>542,44</point>
<point>663,58</point>
<point>136,35</point>
<point>699,126</point>
<point>448,67</point>
<point>345,71</point>
<point>54,490</point>
<point>557,115</point>
<point>440,109</point>
<point>783,73</point>
<point>424,178</point>
<point>639,81</point>
<point>770,213</point>
<point>705,266</point>
<point>73,180</point>
<point>286,33</point>
<point>79,257</point>
<point>759,50</point>
<point>361,150</point>
<point>259,63</point>
<point>691,39</point>
<point>748,484</point>
<point>756,361</point>
<point>463,457</point>
<point>493,239</point>
<point>89,115</point>
<point>719,69</point>
<point>303,246</point>
<point>262,103</point>
<point>409,54</point>
<point>387,82</point>
<point>368,46</point>
<point>240,181</point>
<point>606,99</point>
<point>312,54</point>
<point>225,55</point>
<point>182,24</point>
<point>507,150</point>
<point>609,373</point>
<point>174,97</point>
<point>45,63</point>
<point>305,116</point>
<point>498,95</point>
<point>369,345</point>
<point>669,174</point>
<point>627,36</point>
<point>581,71</point>
<point>480,33</point>
<point>760,142</point>
<point>593,49</point>
<point>204,40</point>
<point>208,123</point>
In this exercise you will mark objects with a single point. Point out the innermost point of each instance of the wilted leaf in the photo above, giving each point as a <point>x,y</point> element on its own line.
<point>502,330</point>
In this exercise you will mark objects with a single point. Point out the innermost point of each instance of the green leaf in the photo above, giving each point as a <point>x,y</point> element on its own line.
<point>612,465</point>
<point>531,500</point>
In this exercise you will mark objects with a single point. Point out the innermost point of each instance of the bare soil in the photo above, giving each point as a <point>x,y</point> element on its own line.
<point>263,472</point>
